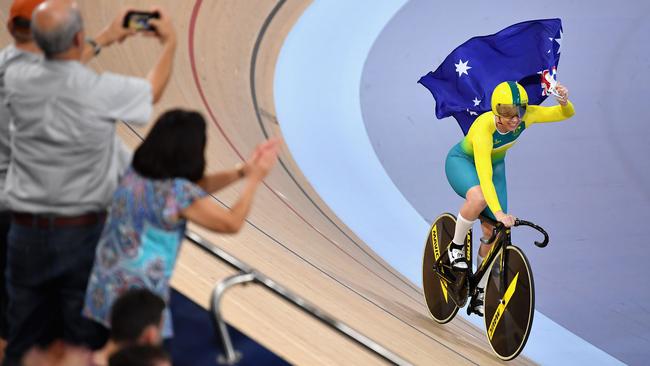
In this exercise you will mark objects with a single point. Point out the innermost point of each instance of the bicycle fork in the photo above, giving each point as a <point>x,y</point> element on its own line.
<point>503,271</point>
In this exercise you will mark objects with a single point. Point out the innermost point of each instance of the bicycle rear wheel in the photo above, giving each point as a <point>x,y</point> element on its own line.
<point>509,310</point>
<point>437,292</point>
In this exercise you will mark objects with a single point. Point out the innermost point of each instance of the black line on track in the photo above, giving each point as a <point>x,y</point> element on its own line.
<point>258,113</point>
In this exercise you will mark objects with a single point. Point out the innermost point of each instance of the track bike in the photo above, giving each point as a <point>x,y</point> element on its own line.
<point>509,302</point>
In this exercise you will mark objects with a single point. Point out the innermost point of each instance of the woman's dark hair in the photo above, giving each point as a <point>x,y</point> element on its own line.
<point>174,148</point>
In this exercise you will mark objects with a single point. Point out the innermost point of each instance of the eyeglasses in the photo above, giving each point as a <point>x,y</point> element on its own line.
<point>510,111</point>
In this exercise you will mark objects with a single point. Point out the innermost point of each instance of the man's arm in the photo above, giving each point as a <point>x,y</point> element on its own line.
<point>160,73</point>
<point>112,33</point>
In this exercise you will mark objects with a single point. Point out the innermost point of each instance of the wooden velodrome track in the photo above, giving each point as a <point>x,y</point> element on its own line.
<point>224,68</point>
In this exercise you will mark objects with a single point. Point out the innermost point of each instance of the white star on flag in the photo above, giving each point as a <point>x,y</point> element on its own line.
<point>558,40</point>
<point>471,113</point>
<point>461,67</point>
<point>476,101</point>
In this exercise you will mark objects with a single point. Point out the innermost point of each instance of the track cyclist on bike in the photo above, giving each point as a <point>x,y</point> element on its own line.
<point>475,167</point>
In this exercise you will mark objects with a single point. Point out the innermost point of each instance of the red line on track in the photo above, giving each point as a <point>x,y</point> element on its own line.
<point>197,81</point>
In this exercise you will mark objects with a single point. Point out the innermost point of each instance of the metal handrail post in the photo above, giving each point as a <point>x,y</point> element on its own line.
<point>230,356</point>
<point>248,274</point>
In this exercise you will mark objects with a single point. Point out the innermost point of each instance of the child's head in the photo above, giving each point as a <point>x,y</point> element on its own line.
<point>136,318</point>
<point>174,147</point>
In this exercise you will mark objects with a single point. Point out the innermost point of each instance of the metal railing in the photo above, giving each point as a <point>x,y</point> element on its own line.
<point>247,274</point>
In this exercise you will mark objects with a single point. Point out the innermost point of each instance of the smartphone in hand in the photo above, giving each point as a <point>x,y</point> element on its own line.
<point>139,20</point>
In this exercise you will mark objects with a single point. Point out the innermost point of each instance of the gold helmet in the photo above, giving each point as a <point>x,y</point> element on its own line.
<point>509,99</point>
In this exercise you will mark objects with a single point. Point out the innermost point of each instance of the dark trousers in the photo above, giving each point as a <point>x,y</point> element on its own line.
<point>5,221</point>
<point>47,272</point>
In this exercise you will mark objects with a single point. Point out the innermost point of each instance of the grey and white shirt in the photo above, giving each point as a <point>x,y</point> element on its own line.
<point>8,55</point>
<point>65,156</point>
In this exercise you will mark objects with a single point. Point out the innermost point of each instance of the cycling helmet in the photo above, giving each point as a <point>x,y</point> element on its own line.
<point>509,96</point>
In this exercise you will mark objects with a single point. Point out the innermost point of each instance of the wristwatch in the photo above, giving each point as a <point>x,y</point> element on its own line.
<point>96,47</point>
<point>241,173</point>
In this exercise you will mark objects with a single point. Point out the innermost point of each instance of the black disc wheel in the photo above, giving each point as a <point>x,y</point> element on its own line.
<point>509,303</point>
<point>439,291</point>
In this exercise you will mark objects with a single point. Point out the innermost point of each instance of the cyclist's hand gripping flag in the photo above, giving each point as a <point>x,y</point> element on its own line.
<point>527,52</point>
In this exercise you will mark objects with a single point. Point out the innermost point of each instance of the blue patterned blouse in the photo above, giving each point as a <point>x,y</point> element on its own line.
<point>140,241</point>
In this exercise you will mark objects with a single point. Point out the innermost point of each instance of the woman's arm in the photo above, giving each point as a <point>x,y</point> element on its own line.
<point>482,146</point>
<point>212,183</point>
<point>538,114</point>
<point>483,161</point>
<point>207,213</point>
<point>216,181</point>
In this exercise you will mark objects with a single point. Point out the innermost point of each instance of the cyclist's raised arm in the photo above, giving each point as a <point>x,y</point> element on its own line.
<point>482,146</point>
<point>538,114</point>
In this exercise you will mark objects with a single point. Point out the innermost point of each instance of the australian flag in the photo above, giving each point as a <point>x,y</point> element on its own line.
<point>462,85</point>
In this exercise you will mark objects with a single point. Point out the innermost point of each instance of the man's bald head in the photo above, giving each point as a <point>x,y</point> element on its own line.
<point>55,25</point>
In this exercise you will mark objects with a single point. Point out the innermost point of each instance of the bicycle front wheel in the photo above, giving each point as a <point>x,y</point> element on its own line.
<point>509,304</point>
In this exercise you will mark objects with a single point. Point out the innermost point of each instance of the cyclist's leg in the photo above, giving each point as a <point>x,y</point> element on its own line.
<point>474,204</point>
<point>499,180</point>
<point>500,184</point>
<point>462,176</point>
<point>477,302</point>
<point>484,248</point>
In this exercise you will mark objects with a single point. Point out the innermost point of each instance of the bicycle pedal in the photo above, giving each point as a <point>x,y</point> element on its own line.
<point>470,310</point>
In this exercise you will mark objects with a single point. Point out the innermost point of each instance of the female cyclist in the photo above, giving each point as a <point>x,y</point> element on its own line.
<point>475,167</point>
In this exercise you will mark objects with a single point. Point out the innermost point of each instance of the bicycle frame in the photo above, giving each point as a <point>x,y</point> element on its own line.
<point>499,241</point>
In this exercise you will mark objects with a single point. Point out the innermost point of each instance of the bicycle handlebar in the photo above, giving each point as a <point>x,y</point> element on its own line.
<point>499,226</point>
<point>541,244</point>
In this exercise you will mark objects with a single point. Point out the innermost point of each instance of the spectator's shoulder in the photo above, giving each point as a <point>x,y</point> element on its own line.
<point>114,77</point>
<point>5,54</point>
<point>10,55</point>
<point>118,82</point>
<point>91,82</point>
<point>186,185</point>
<point>186,192</point>
<point>20,72</point>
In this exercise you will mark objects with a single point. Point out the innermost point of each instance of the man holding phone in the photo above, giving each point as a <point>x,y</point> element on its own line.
<point>64,167</point>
